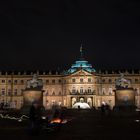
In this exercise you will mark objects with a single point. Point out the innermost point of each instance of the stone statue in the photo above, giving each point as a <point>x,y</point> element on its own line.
<point>34,83</point>
<point>121,82</point>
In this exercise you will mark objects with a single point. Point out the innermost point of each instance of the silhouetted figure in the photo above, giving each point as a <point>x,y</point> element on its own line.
<point>103,109</point>
<point>78,107</point>
<point>2,106</point>
<point>35,118</point>
<point>107,110</point>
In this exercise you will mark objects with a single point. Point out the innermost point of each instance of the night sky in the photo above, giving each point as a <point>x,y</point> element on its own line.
<point>47,34</point>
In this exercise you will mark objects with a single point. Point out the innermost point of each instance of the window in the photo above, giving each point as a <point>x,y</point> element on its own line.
<point>81,80</point>
<point>53,93</point>
<point>73,80</point>
<point>103,80</point>
<point>9,81</point>
<point>3,81</point>
<point>89,80</point>
<point>89,90</point>
<point>110,91</point>
<point>53,81</point>
<point>47,81</point>
<point>59,92</point>
<point>73,90</point>
<point>136,80</point>
<point>22,81</point>
<point>103,91</point>
<point>110,81</point>
<point>59,81</point>
<point>15,92</point>
<point>9,92</point>
<point>22,91</point>
<point>15,81</point>
<point>81,90</point>
<point>47,93</point>
<point>3,91</point>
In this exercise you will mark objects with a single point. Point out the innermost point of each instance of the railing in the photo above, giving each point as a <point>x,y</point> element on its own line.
<point>82,93</point>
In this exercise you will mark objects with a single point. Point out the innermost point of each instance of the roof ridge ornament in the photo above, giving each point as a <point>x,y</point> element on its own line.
<point>81,50</point>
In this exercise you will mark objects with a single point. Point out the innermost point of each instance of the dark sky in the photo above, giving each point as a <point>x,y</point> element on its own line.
<point>47,34</point>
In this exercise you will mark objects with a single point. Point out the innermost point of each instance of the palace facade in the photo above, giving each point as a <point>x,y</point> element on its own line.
<point>81,83</point>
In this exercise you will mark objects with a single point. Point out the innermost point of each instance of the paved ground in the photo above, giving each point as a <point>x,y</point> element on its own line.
<point>86,125</point>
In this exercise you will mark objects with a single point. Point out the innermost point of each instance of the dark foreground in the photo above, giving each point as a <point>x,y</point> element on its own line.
<point>85,125</point>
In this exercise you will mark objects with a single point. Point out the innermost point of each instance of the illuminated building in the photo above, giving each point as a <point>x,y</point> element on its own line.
<point>81,83</point>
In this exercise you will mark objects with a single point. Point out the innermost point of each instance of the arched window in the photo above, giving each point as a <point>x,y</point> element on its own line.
<point>81,90</point>
<point>89,90</point>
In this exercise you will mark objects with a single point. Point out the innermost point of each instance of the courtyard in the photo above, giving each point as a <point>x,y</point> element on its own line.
<point>82,124</point>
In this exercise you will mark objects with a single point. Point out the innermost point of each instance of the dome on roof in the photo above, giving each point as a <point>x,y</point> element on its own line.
<point>81,64</point>
<point>81,105</point>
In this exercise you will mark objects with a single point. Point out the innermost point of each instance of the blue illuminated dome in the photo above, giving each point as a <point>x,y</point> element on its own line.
<point>81,64</point>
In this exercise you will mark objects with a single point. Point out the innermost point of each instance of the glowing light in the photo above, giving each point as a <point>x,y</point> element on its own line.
<point>81,105</point>
<point>13,118</point>
<point>57,120</point>
<point>137,120</point>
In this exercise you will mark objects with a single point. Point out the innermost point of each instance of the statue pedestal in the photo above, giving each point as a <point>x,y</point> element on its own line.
<point>124,102</point>
<point>125,98</point>
<point>31,96</point>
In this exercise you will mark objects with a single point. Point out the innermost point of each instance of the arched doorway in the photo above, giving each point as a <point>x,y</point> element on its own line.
<point>73,101</point>
<point>89,101</point>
